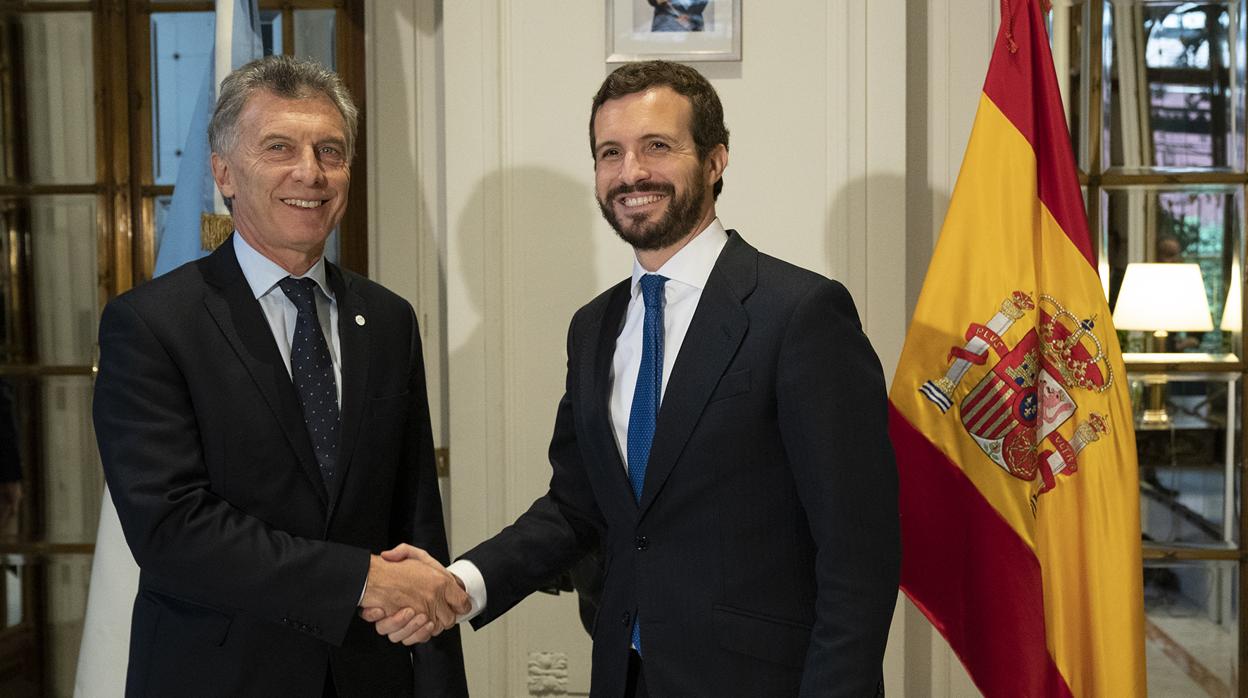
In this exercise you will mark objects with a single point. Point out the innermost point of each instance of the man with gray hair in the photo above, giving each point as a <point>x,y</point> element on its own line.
<point>264,429</point>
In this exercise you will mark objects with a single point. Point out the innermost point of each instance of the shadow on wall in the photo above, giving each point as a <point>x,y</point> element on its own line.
<point>925,212</point>
<point>548,228</point>
<point>848,248</point>
<point>549,222</point>
<point>924,658</point>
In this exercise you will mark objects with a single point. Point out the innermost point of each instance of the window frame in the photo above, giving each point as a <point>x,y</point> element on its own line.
<point>1086,50</point>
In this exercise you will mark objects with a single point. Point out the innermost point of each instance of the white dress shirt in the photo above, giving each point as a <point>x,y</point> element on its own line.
<point>686,272</point>
<point>262,275</point>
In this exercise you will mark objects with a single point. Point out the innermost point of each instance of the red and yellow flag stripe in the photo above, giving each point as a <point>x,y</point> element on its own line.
<point>1024,551</point>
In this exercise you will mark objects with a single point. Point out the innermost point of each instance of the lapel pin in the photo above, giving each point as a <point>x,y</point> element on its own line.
<point>359,320</point>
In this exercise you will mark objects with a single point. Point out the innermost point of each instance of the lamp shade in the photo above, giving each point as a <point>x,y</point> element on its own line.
<point>1163,296</point>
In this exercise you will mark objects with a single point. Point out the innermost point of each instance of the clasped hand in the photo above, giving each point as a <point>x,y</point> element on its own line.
<point>410,596</point>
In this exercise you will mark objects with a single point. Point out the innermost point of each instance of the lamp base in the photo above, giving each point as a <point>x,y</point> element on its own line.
<point>1155,415</point>
<point>1155,418</point>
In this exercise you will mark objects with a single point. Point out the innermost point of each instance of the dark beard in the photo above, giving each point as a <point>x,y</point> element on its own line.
<point>683,213</point>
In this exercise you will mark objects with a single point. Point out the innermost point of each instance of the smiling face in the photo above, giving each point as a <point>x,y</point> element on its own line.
<point>651,185</point>
<point>288,175</point>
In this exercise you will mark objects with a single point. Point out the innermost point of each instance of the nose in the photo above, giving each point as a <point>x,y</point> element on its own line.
<point>632,170</point>
<point>308,170</point>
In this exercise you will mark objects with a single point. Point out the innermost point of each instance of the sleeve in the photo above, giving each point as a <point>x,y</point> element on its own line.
<point>832,408</point>
<point>474,584</point>
<point>187,540</point>
<point>556,531</point>
<point>417,507</point>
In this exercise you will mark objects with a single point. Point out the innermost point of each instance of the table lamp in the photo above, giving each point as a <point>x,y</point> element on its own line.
<point>1161,298</point>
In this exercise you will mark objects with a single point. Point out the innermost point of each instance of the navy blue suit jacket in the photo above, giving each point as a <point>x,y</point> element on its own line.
<point>764,555</point>
<point>251,566</point>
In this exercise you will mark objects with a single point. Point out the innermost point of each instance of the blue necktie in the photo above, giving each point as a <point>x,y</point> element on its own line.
<point>646,397</point>
<point>312,371</point>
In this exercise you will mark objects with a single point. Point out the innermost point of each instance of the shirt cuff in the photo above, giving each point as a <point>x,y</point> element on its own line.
<point>474,584</point>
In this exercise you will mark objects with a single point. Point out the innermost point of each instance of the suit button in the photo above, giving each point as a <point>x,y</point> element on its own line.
<point>624,619</point>
<point>641,542</point>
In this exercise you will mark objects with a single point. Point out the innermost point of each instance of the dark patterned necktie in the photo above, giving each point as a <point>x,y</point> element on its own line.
<point>312,371</point>
<point>644,415</point>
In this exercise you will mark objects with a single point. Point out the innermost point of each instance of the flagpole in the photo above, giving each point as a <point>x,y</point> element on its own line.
<point>223,65</point>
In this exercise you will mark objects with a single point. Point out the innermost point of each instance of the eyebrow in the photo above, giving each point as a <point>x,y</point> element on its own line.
<point>279,136</point>
<point>644,137</point>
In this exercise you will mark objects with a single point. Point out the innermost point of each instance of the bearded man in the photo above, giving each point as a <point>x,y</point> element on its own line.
<point>722,440</point>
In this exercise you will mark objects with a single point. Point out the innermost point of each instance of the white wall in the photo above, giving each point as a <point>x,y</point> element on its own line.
<point>848,123</point>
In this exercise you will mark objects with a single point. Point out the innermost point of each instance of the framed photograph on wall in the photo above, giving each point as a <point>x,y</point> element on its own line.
<point>676,30</point>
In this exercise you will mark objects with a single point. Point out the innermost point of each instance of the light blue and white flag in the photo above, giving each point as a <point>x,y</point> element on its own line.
<point>102,656</point>
<point>194,193</point>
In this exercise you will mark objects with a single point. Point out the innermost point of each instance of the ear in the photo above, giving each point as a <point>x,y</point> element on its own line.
<point>221,175</point>
<point>715,164</point>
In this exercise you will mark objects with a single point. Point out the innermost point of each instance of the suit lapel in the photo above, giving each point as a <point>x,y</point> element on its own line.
<point>597,379</point>
<point>715,332</point>
<point>353,341</point>
<point>240,319</point>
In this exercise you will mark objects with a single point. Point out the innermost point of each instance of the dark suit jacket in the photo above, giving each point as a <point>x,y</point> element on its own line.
<point>251,568</point>
<point>764,555</point>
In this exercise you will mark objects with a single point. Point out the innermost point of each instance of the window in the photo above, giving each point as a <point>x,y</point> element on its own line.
<point>1155,98</point>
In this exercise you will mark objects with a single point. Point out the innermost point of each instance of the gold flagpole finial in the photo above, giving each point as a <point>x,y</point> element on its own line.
<point>214,228</point>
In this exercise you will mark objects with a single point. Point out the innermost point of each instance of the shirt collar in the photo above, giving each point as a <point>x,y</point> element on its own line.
<point>692,264</point>
<point>262,273</point>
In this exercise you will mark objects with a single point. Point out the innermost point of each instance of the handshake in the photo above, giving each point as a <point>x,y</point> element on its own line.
<point>410,597</point>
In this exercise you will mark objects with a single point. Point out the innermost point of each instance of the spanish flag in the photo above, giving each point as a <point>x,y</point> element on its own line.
<point>1010,415</point>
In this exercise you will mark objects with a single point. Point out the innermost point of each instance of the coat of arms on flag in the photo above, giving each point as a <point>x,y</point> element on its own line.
<point>1013,413</point>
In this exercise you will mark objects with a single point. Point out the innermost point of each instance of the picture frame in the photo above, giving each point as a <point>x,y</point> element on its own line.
<point>674,30</point>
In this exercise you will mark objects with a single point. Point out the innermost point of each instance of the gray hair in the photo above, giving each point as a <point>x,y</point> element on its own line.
<point>283,76</point>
